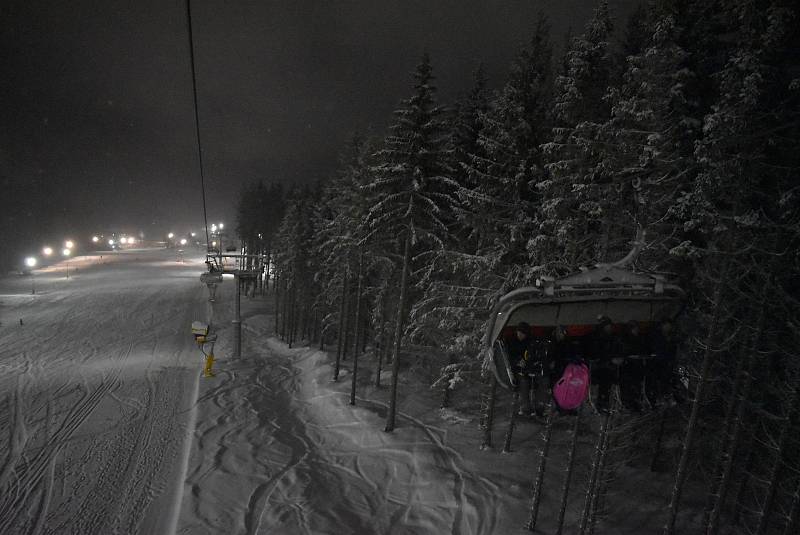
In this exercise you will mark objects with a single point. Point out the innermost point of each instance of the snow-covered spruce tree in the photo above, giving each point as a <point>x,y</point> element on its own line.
<point>494,216</point>
<point>496,204</point>
<point>413,190</point>
<point>443,320</point>
<point>501,204</point>
<point>646,147</point>
<point>569,220</point>
<point>497,159</point>
<point>465,125</point>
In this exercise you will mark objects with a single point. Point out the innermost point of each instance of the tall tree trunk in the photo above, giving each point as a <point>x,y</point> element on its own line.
<point>301,322</point>
<point>512,421</point>
<point>447,376</point>
<point>266,273</point>
<point>568,477</point>
<point>365,333</point>
<point>594,475</point>
<point>487,411</point>
<point>744,485</point>
<point>315,325</point>
<point>380,349</point>
<point>321,330</point>
<point>293,317</point>
<point>347,329</point>
<point>691,428</point>
<point>794,512</point>
<point>659,439</point>
<point>342,315</point>
<point>357,333</point>
<point>538,482</point>
<point>775,472</point>
<point>732,442</point>
<point>277,308</point>
<point>285,313</point>
<point>730,411</point>
<point>398,334</point>
<point>601,483</point>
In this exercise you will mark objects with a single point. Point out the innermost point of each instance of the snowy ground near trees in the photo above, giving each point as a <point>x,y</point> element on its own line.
<point>110,429</point>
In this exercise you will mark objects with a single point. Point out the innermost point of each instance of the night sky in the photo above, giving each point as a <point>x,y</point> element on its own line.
<point>96,102</point>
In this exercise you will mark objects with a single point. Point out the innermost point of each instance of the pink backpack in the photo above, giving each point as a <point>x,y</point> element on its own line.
<point>573,388</point>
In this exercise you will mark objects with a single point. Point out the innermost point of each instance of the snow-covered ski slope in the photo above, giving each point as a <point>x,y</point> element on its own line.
<point>110,428</point>
<point>98,379</point>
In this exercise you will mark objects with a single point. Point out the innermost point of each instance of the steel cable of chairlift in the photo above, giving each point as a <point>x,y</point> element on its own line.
<point>197,115</point>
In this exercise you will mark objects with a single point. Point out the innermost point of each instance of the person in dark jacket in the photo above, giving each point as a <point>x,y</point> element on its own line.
<point>526,361</point>
<point>604,354</point>
<point>561,351</point>
<point>659,381</point>
<point>634,350</point>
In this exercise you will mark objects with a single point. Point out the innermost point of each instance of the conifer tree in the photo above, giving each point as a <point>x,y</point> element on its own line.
<point>413,189</point>
<point>568,214</point>
<point>509,161</point>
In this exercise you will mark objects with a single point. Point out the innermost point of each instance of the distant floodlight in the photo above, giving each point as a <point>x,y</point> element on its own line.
<point>221,226</point>
<point>123,240</point>
<point>95,239</point>
<point>47,251</point>
<point>66,252</point>
<point>131,241</point>
<point>213,227</point>
<point>170,235</point>
<point>68,244</point>
<point>111,242</point>
<point>183,241</point>
<point>213,244</point>
<point>30,261</point>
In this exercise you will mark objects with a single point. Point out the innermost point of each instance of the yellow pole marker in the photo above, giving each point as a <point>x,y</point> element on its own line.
<point>207,372</point>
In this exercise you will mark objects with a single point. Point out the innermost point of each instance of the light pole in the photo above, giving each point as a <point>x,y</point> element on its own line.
<point>66,252</point>
<point>31,263</point>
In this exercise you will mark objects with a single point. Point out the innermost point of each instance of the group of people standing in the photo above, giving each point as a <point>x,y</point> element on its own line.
<point>642,366</point>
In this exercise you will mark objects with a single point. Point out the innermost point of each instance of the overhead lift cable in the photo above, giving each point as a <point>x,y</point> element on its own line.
<point>197,116</point>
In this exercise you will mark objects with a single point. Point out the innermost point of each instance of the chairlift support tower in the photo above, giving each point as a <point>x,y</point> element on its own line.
<point>217,267</point>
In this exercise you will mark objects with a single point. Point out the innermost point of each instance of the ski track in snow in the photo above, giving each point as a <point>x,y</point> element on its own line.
<point>94,396</point>
<point>277,450</point>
